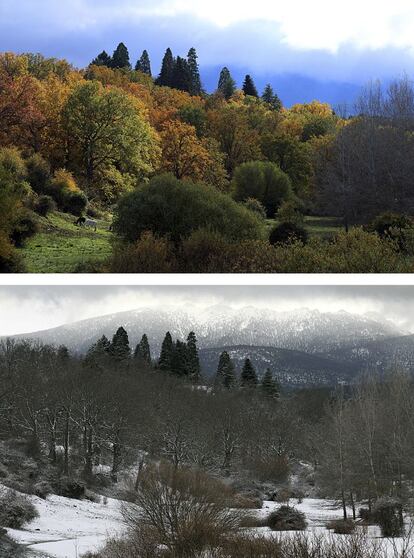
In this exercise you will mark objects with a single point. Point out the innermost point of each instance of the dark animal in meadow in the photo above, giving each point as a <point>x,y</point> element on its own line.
<point>81,221</point>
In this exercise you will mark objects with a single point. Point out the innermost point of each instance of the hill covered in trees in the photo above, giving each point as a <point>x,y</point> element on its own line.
<point>188,177</point>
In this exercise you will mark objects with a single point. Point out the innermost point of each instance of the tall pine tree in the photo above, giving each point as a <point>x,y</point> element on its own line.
<point>120,58</point>
<point>120,348</point>
<point>249,87</point>
<point>271,98</point>
<point>102,59</point>
<point>248,378</point>
<point>226,84</point>
<point>194,72</point>
<point>144,65</point>
<point>269,386</point>
<point>181,75</point>
<point>193,361</point>
<point>225,376</point>
<point>180,361</point>
<point>167,68</point>
<point>167,349</point>
<point>142,350</point>
<point>100,348</point>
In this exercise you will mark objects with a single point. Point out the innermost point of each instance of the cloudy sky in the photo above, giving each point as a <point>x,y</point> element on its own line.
<point>330,47</point>
<point>26,309</point>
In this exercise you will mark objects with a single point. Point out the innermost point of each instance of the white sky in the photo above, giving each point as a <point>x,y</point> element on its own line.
<point>29,309</point>
<point>316,24</point>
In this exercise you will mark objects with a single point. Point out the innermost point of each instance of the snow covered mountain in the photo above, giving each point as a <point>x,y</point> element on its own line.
<point>304,330</point>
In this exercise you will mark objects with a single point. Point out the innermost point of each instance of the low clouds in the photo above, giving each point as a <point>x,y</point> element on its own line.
<point>320,40</point>
<point>29,309</point>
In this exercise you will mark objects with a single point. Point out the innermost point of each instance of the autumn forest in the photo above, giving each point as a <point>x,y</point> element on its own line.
<point>118,168</point>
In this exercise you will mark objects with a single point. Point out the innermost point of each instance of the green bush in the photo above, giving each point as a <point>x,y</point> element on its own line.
<point>257,207</point>
<point>75,203</point>
<point>394,226</point>
<point>16,510</point>
<point>38,173</point>
<point>44,205</point>
<point>24,226</point>
<point>286,518</point>
<point>170,207</point>
<point>263,181</point>
<point>288,232</point>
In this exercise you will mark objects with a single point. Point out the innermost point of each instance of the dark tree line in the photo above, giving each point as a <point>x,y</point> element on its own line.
<point>184,74</point>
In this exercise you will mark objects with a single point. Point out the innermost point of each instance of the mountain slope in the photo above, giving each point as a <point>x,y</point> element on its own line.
<point>292,368</point>
<point>305,330</point>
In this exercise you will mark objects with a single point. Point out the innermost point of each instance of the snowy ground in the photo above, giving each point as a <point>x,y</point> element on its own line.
<point>68,528</point>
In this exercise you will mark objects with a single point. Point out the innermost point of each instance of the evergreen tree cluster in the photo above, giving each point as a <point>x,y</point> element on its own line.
<point>226,377</point>
<point>184,74</point>
<point>180,358</point>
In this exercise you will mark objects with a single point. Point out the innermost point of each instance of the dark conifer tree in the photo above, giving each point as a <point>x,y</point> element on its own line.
<point>269,386</point>
<point>120,58</point>
<point>271,98</point>
<point>194,72</point>
<point>120,348</point>
<point>180,361</point>
<point>181,75</point>
<point>165,361</point>
<point>166,75</point>
<point>102,59</point>
<point>226,84</point>
<point>248,378</point>
<point>142,350</point>
<point>225,376</point>
<point>63,353</point>
<point>100,348</point>
<point>193,361</point>
<point>144,65</point>
<point>249,87</point>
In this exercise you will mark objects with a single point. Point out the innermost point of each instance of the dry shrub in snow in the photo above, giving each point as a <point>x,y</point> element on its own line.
<point>15,510</point>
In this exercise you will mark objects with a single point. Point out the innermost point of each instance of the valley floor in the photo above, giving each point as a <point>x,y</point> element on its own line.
<point>69,528</point>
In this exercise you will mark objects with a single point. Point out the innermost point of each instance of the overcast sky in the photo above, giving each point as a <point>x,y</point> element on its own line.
<point>29,309</point>
<point>348,42</point>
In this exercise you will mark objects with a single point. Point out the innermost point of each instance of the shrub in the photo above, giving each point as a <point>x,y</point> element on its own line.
<point>24,226</point>
<point>365,514</point>
<point>16,510</point>
<point>75,203</point>
<point>66,193</point>
<point>286,518</point>
<point>263,181</point>
<point>44,205</point>
<point>148,255</point>
<point>38,173</point>
<point>254,205</point>
<point>396,227</point>
<point>341,526</point>
<point>274,468</point>
<point>288,232</point>
<point>70,488</point>
<point>42,489</point>
<point>185,510</point>
<point>387,512</point>
<point>170,207</point>
<point>291,211</point>
<point>10,260</point>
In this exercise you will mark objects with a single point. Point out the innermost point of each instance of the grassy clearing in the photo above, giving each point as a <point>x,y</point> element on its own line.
<point>323,227</point>
<point>62,247</point>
